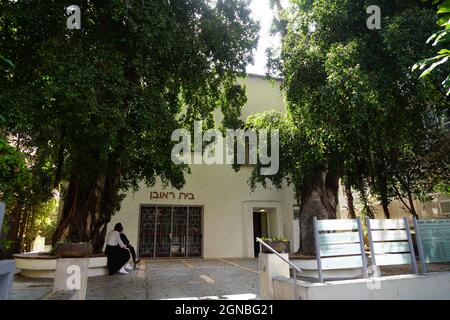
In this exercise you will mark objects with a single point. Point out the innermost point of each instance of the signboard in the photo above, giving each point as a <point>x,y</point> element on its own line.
<point>435,239</point>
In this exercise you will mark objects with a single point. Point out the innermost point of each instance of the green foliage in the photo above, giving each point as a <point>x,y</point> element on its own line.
<point>232,101</point>
<point>25,178</point>
<point>117,86</point>
<point>57,245</point>
<point>5,245</point>
<point>14,173</point>
<point>6,63</point>
<point>45,216</point>
<point>277,239</point>
<point>100,104</point>
<point>438,39</point>
<point>300,158</point>
<point>354,102</point>
<point>443,188</point>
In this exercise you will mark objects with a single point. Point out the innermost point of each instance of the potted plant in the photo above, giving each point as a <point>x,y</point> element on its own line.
<point>73,250</point>
<point>277,244</point>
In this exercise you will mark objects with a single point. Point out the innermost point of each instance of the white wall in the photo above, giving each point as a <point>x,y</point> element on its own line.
<point>433,286</point>
<point>222,192</point>
<point>261,96</point>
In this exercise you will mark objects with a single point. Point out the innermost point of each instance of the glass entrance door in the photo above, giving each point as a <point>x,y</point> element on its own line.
<point>179,232</point>
<point>170,232</point>
<point>163,232</point>
<point>195,233</point>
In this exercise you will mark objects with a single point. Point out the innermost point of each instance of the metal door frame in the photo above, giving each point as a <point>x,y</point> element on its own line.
<point>172,207</point>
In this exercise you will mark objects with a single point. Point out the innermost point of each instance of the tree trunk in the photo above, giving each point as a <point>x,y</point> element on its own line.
<point>23,228</point>
<point>318,200</point>
<point>81,211</point>
<point>88,209</point>
<point>384,194</point>
<point>28,241</point>
<point>382,183</point>
<point>385,204</point>
<point>350,201</point>
<point>412,208</point>
<point>14,225</point>
<point>60,163</point>
<point>365,199</point>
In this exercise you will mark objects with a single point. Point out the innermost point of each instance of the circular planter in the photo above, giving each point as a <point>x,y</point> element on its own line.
<point>74,250</point>
<point>279,247</point>
<point>43,266</point>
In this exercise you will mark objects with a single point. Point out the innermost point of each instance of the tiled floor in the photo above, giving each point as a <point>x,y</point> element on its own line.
<point>233,279</point>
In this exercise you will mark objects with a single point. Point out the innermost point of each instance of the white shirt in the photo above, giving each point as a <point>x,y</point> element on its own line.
<point>113,239</point>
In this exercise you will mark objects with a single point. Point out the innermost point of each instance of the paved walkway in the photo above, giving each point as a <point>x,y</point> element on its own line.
<point>232,279</point>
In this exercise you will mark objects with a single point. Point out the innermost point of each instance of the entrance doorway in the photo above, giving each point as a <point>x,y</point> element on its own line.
<point>260,228</point>
<point>171,232</point>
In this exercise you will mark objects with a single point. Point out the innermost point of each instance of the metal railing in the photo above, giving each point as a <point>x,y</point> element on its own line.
<point>293,266</point>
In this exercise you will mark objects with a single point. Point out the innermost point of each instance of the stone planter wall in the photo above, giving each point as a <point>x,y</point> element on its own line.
<point>432,286</point>
<point>279,247</point>
<point>40,266</point>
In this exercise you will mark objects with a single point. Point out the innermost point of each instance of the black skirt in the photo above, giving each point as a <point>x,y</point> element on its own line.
<point>117,258</point>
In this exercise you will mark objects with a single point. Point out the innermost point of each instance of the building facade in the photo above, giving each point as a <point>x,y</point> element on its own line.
<point>215,214</point>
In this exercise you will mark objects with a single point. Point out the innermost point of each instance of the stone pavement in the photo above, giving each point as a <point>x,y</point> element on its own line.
<point>232,279</point>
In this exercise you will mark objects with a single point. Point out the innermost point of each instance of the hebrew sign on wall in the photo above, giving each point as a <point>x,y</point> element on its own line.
<point>171,195</point>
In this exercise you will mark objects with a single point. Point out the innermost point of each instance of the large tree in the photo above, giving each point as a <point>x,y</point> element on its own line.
<point>358,110</point>
<point>102,102</point>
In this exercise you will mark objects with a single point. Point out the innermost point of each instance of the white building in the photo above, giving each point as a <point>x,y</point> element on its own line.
<point>216,214</point>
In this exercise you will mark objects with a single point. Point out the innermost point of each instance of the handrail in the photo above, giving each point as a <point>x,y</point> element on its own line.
<point>293,266</point>
<point>279,255</point>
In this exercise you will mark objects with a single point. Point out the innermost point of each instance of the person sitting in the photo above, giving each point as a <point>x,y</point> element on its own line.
<point>117,252</point>
<point>126,242</point>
